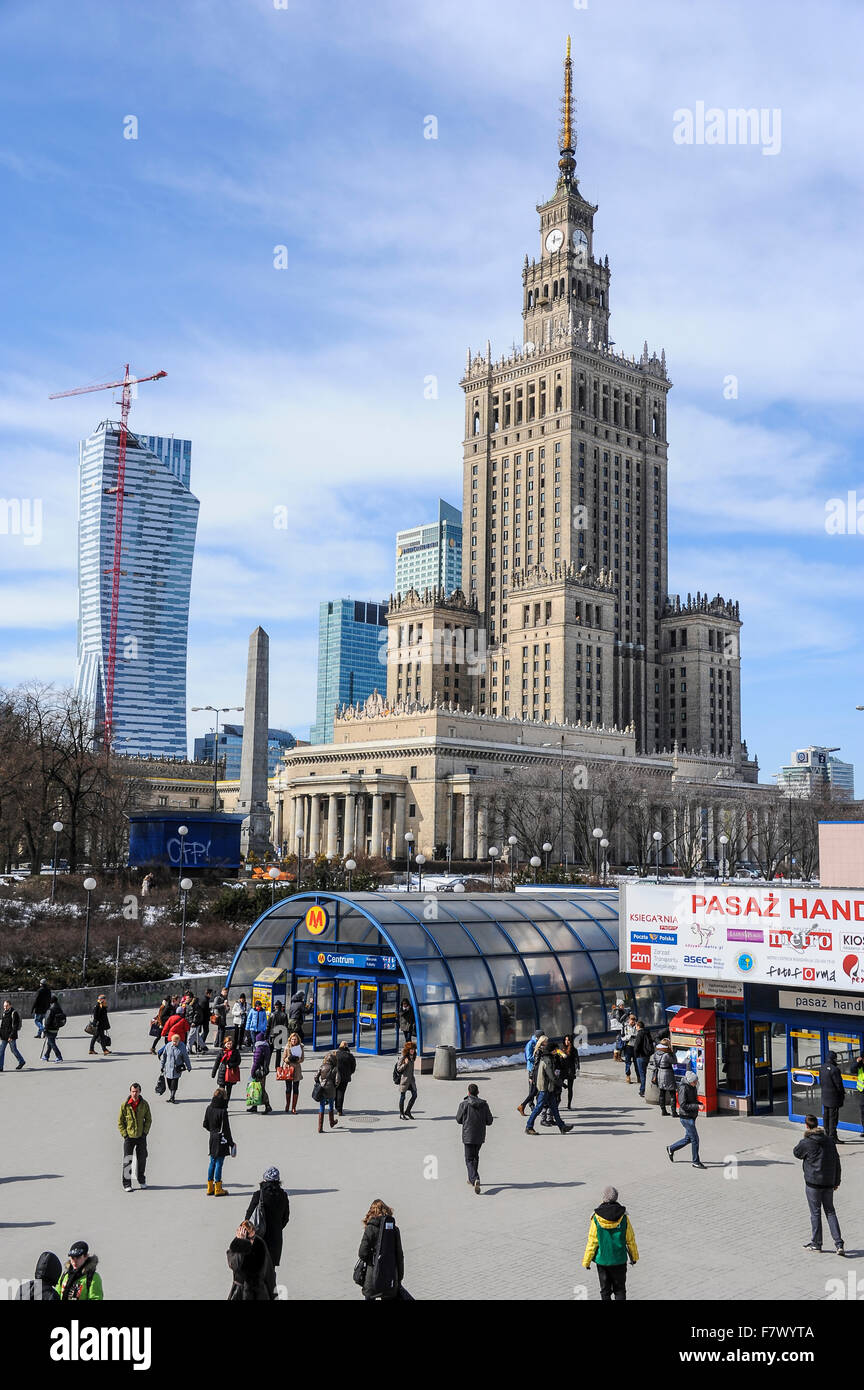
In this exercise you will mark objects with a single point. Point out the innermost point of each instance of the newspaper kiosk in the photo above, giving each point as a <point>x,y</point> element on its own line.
<point>693,1035</point>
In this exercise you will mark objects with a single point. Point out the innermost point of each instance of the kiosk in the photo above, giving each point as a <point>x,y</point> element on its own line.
<point>270,989</point>
<point>693,1035</point>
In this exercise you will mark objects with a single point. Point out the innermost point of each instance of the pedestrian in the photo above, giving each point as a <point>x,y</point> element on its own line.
<point>822,1174</point>
<point>160,1018</point>
<point>557,1056</point>
<point>406,1020</point>
<point>269,1211</point>
<point>258,1076</point>
<point>688,1109</point>
<point>291,1071</point>
<point>98,1027</point>
<point>219,1017</point>
<point>831,1083</point>
<point>40,1006</point>
<point>346,1069</point>
<point>41,1288</point>
<point>10,1027</point>
<point>54,1020</point>
<point>221,1140</point>
<point>297,1012</point>
<point>195,1014</point>
<point>407,1084</point>
<point>134,1123</point>
<point>79,1281</point>
<point>278,1030</point>
<point>146,885</point>
<point>475,1117</point>
<point>643,1048</point>
<point>546,1083</point>
<point>324,1090</point>
<point>238,1019</point>
<point>250,1263</point>
<point>663,1077</point>
<point>628,1035</point>
<point>859,1087</point>
<point>206,1007</point>
<point>256,1024</point>
<point>176,1022</point>
<point>226,1068</point>
<point>570,1065</point>
<point>531,1067</point>
<point>174,1062</point>
<point>611,1243</point>
<point>617,1018</point>
<point>381,1254</point>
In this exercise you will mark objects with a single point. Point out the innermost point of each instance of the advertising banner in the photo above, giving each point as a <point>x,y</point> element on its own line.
<point>794,937</point>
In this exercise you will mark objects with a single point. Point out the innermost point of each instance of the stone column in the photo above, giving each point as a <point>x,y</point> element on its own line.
<point>467,826</point>
<point>398,845</point>
<point>312,844</point>
<point>332,824</point>
<point>279,833</point>
<point>348,827</point>
<point>482,833</point>
<point>377,846</point>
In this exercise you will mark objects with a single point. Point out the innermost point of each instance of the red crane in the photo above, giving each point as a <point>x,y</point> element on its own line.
<point>125,403</point>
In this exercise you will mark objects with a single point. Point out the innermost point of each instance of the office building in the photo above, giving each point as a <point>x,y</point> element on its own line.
<point>430,556</point>
<point>352,657</point>
<point>815,772</point>
<point>231,749</point>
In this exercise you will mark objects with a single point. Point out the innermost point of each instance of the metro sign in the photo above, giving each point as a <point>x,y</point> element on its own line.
<point>787,938</point>
<point>317,920</point>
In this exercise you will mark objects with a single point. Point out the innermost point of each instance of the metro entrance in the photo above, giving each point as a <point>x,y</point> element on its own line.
<point>808,1049</point>
<point>361,1011</point>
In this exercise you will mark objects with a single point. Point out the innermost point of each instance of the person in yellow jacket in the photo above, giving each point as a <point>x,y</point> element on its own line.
<point>134,1123</point>
<point>611,1243</point>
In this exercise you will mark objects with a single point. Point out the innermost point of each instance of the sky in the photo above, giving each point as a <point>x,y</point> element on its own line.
<point>306,387</point>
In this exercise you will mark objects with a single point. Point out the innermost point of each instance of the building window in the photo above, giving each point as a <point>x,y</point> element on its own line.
<point>413,771</point>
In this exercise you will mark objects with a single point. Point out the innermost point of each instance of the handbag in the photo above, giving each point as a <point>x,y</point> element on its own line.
<point>106,1040</point>
<point>359,1275</point>
<point>317,1091</point>
<point>160,1085</point>
<point>155,1028</point>
<point>90,1028</point>
<point>285,1073</point>
<point>232,1152</point>
<point>214,1018</point>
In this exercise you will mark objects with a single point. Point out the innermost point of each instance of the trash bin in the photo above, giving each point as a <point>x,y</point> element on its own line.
<point>444,1066</point>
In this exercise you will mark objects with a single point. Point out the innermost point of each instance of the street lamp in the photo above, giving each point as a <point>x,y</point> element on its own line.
<point>421,860</point>
<point>56,827</point>
<point>217,710</point>
<point>657,837</point>
<point>350,866</point>
<point>89,885</point>
<point>299,838</point>
<point>182,831</point>
<point>598,836</point>
<point>724,840</point>
<point>409,840</point>
<point>536,861</point>
<point>514,857</point>
<point>493,852</point>
<point>272,874</point>
<point>547,850</point>
<point>185,885</point>
<point>604,845</point>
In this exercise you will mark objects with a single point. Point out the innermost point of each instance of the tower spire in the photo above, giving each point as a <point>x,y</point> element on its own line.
<point>567,164</point>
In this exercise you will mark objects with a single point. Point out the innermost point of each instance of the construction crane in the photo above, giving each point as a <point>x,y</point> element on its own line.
<point>125,404</point>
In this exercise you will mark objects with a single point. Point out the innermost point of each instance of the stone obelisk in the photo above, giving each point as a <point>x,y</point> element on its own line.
<point>255,833</point>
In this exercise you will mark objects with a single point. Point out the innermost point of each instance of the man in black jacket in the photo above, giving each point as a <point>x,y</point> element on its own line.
<point>10,1027</point>
<point>831,1081</point>
<point>475,1117</point>
<point>344,1073</point>
<point>40,1005</point>
<point>822,1179</point>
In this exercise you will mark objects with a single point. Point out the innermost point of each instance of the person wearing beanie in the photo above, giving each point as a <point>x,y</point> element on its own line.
<point>611,1242</point>
<point>79,1281</point>
<point>269,1212</point>
<point>688,1109</point>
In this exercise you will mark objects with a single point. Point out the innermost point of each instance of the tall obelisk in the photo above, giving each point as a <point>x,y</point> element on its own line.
<point>255,834</point>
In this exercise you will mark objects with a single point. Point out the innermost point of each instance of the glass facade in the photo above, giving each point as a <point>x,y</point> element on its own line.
<point>483,971</point>
<point>430,556</point>
<point>160,518</point>
<point>231,748</point>
<point>352,658</point>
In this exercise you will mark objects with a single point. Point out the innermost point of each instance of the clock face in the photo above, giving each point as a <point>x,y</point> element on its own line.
<point>555,240</point>
<point>580,241</point>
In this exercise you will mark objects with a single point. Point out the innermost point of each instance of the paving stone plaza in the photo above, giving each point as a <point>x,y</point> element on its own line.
<point>733,1232</point>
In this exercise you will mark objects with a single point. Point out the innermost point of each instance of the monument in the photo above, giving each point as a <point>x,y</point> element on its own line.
<point>252,803</point>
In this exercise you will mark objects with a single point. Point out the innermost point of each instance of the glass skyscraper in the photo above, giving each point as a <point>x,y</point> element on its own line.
<point>231,748</point>
<point>352,658</point>
<point>430,556</point>
<point>160,517</point>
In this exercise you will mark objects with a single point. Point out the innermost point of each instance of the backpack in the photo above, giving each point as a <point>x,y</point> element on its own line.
<point>397,1076</point>
<point>259,1218</point>
<point>59,1018</point>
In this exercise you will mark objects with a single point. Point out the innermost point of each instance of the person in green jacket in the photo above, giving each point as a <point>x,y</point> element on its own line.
<point>134,1124</point>
<point>610,1243</point>
<point>79,1280</point>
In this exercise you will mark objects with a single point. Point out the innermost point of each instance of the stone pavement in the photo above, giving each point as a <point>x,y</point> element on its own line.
<point>735,1231</point>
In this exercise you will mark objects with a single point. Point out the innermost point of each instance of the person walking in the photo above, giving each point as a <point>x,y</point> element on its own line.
<point>176,1022</point>
<point>297,1012</point>
<point>818,1151</point>
<point>269,1210</point>
<point>10,1027</point>
<point>347,1068</point>
<point>226,1068</point>
<point>160,1018</point>
<point>174,1062</point>
<point>407,1085</point>
<point>831,1082</point>
<point>406,1020</point>
<point>570,1065</point>
<point>260,1068</point>
<point>688,1109</point>
<point>40,1007</point>
<point>41,1288</point>
<point>250,1263</point>
<point>381,1253</point>
<point>134,1123</point>
<point>54,1020</point>
<point>206,1008</point>
<point>99,1025</point>
<point>663,1077</point>
<point>325,1084</point>
<point>79,1281</point>
<point>238,1019</point>
<point>219,1017</point>
<point>617,1018</point>
<point>611,1242</point>
<point>196,1025</point>
<point>221,1140</point>
<point>291,1071</point>
<point>256,1023</point>
<point>628,1035</point>
<point>546,1084</point>
<point>531,1067</point>
<point>643,1048</point>
<point>278,1031</point>
<point>475,1117</point>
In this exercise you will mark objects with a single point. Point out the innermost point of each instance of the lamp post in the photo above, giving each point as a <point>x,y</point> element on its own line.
<point>409,840</point>
<point>185,885</point>
<point>536,861</point>
<point>182,831</point>
<point>299,875</point>
<point>598,836</point>
<point>217,710</point>
<point>350,866</point>
<point>493,852</point>
<point>514,857</point>
<point>547,850</point>
<point>657,837</point>
<point>89,885</point>
<point>421,860</point>
<point>604,845</point>
<point>724,840</point>
<point>272,874</point>
<point>56,827</point>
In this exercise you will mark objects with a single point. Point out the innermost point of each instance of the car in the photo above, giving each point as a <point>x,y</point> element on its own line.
<point>631,869</point>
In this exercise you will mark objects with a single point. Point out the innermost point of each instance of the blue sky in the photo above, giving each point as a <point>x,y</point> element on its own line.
<point>303,127</point>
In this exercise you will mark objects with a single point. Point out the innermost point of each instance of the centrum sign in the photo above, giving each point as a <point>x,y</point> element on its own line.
<point>784,936</point>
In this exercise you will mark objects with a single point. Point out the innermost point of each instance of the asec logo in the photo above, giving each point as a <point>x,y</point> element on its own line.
<point>317,920</point>
<point>640,957</point>
<point>700,960</point>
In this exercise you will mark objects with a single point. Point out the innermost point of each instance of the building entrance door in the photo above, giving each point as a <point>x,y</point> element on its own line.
<point>367,1016</point>
<point>847,1046</point>
<point>325,1017</point>
<point>346,1011</point>
<point>805,1059</point>
<point>768,1059</point>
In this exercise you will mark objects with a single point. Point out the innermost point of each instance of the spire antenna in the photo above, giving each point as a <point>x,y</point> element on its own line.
<point>567,146</point>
